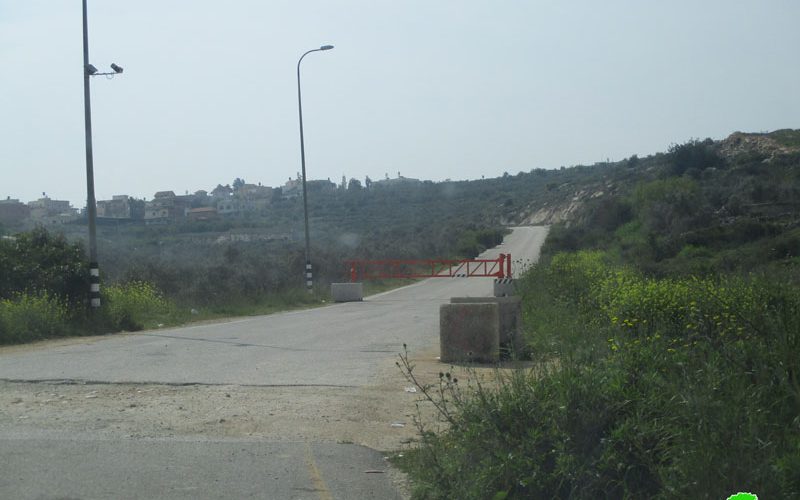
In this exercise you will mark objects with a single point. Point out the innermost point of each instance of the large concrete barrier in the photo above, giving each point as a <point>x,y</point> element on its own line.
<point>509,320</point>
<point>347,292</point>
<point>469,332</point>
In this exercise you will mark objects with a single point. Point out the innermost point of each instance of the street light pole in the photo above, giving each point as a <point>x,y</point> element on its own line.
<point>308,271</point>
<point>91,204</point>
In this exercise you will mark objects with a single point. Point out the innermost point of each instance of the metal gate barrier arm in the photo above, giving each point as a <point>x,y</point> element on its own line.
<point>430,268</point>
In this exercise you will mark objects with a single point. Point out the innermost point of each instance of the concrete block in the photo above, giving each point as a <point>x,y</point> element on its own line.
<point>509,319</point>
<point>469,332</point>
<point>347,292</point>
<point>504,287</point>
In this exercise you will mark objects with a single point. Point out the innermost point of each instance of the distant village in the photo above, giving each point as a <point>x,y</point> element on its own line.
<point>166,207</point>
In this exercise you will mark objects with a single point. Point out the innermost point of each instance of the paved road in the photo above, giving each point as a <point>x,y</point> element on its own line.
<point>343,342</point>
<point>84,467</point>
<point>342,345</point>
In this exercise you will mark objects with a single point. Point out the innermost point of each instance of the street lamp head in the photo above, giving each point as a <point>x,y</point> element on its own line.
<point>117,69</point>
<point>90,70</point>
<point>326,47</point>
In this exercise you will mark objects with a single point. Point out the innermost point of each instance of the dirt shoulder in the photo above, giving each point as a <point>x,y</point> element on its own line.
<point>379,415</point>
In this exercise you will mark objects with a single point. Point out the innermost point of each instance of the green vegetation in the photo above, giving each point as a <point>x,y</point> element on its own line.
<point>27,317</point>
<point>41,277</point>
<point>473,243</point>
<point>664,318</point>
<point>40,262</point>
<point>644,388</point>
<point>719,215</point>
<point>665,327</point>
<point>786,137</point>
<point>242,264</point>
<point>44,293</point>
<point>136,305</point>
<point>166,275</point>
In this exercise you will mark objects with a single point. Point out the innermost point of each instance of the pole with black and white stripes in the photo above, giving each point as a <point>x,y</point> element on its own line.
<point>91,204</point>
<point>309,277</point>
<point>308,271</point>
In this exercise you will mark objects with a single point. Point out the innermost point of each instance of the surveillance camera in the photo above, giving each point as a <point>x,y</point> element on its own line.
<point>116,68</point>
<point>90,69</point>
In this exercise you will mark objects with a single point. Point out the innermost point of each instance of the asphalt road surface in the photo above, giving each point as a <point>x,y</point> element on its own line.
<point>339,346</point>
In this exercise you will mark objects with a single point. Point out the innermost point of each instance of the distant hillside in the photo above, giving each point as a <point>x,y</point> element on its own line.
<point>584,184</point>
<point>663,323</point>
<point>703,206</point>
<point>780,142</point>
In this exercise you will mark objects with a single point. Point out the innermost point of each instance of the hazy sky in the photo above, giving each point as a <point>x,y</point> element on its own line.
<point>433,89</point>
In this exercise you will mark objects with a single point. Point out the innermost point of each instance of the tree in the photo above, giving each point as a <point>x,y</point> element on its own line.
<point>354,185</point>
<point>39,261</point>
<point>694,155</point>
<point>238,183</point>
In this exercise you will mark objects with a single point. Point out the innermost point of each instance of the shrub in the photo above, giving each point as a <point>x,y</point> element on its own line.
<point>39,261</point>
<point>25,318</point>
<point>473,242</point>
<point>571,275</point>
<point>134,305</point>
<point>693,155</point>
<point>695,393</point>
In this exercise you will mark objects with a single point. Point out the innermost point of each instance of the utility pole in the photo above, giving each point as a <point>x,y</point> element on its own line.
<point>91,203</point>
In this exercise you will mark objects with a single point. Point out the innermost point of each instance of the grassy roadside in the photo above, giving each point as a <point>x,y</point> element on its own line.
<point>139,305</point>
<point>290,300</point>
<point>664,388</point>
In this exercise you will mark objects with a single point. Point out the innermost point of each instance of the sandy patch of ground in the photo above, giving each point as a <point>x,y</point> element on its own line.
<point>379,415</point>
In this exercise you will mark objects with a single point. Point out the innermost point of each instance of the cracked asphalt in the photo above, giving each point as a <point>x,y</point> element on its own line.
<point>304,404</point>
